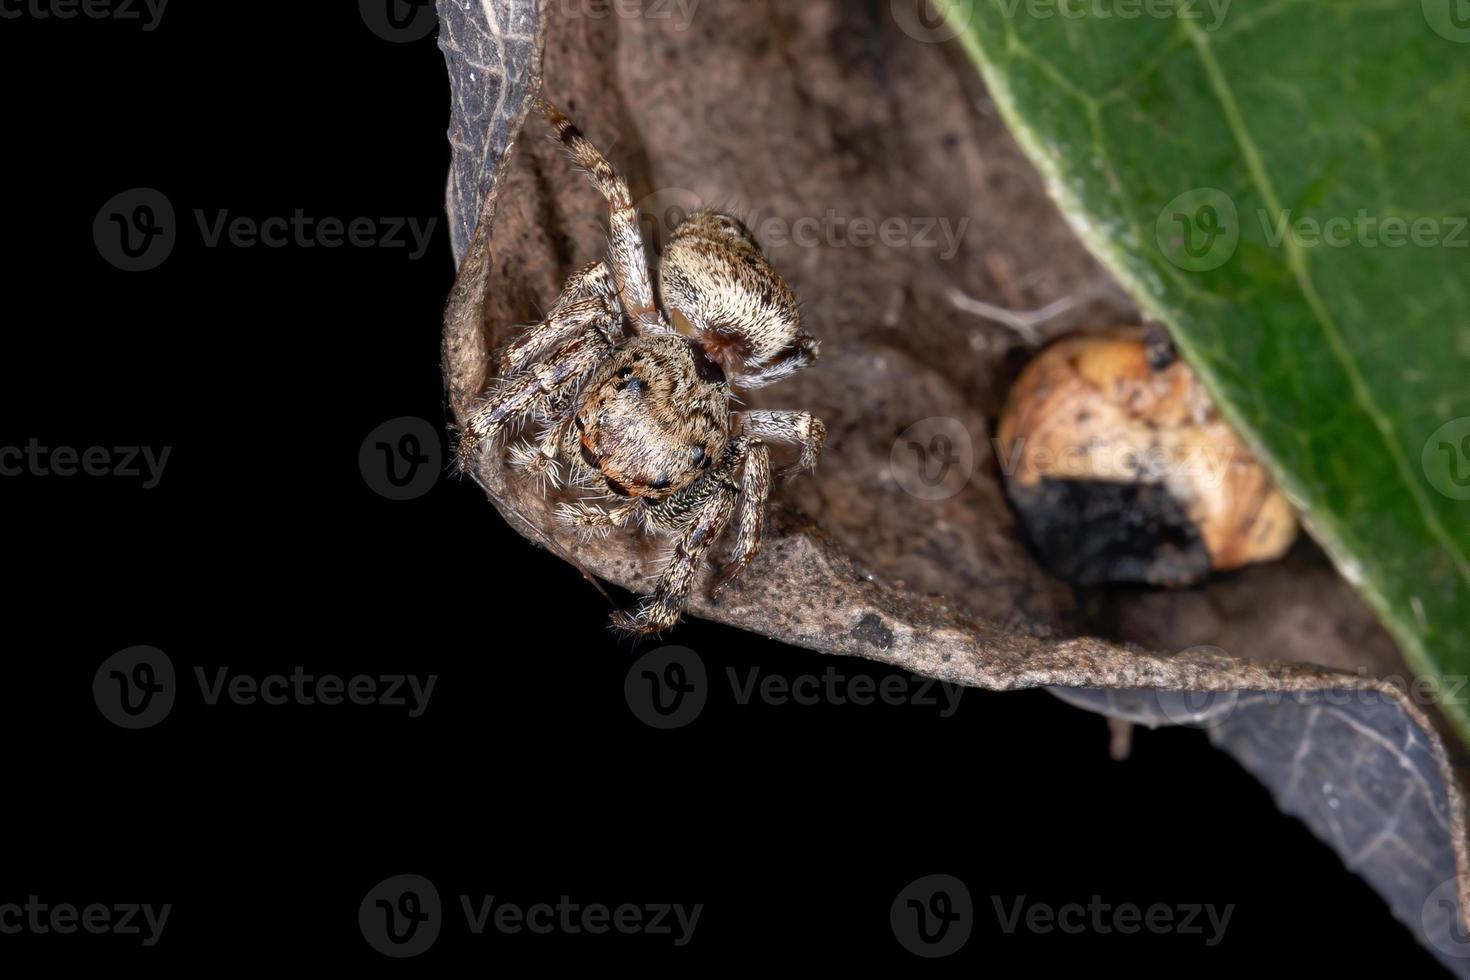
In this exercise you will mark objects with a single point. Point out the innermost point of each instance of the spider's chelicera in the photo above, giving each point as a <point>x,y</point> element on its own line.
<point>634,399</point>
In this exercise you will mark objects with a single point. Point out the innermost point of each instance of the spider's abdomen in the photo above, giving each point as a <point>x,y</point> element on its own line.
<point>715,277</point>
<point>655,418</point>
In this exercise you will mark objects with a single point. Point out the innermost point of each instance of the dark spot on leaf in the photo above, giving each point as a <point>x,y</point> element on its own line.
<point>870,629</point>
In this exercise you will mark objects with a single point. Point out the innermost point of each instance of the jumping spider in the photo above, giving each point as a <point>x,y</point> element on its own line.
<point>637,399</point>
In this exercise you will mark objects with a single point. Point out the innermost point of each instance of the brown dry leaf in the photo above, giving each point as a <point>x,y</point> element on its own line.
<point>829,111</point>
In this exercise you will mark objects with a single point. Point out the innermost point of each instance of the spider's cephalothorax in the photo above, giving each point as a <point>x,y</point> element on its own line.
<point>634,401</point>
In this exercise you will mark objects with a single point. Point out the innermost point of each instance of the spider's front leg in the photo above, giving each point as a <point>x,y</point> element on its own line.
<point>702,511</point>
<point>625,253</point>
<point>586,301</point>
<point>533,390</point>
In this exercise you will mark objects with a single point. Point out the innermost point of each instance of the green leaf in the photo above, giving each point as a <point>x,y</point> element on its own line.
<point>1284,185</point>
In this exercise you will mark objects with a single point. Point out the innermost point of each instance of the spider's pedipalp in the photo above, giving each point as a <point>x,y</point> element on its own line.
<point>539,462</point>
<point>532,463</point>
<point>802,353</point>
<point>593,520</point>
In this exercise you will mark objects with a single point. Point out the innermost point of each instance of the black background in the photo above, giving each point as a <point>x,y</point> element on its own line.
<point>528,777</point>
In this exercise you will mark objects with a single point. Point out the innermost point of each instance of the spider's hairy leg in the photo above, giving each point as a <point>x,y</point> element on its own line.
<point>532,390</point>
<point>755,489</point>
<point>565,321</point>
<point>801,429</point>
<point>716,494</point>
<point>591,280</point>
<point>625,239</point>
